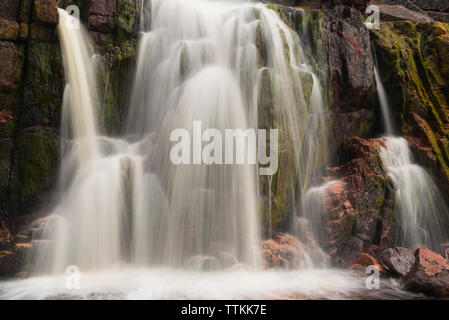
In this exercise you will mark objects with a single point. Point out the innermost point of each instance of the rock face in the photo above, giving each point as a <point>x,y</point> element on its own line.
<point>31,97</point>
<point>358,205</point>
<point>429,274</point>
<point>414,66</point>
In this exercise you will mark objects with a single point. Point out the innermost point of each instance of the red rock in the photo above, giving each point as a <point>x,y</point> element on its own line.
<point>364,261</point>
<point>282,251</point>
<point>429,274</point>
<point>100,23</point>
<point>9,30</point>
<point>102,7</point>
<point>45,12</point>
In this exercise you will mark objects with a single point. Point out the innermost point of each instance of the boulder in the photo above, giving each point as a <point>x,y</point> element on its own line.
<point>398,260</point>
<point>365,261</point>
<point>429,274</point>
<point>45,12</point>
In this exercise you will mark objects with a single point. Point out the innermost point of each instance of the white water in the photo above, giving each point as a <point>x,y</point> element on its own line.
<point>163,283</point>
<point>384,105</point>
<point>125,201</point>
<point>419,206</point>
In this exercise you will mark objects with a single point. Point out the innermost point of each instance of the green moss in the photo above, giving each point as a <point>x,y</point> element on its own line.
<point>414,61</point>
<point>37,161</point>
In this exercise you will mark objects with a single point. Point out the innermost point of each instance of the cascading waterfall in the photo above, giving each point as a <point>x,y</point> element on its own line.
<point>202,61</point>
<point>198,61</point>
<point>124,202</point>
<point>419,205</point>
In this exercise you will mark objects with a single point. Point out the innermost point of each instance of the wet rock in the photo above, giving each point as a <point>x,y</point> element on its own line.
<point>102,7</point>
<point>39,32</point>
<point>432,5</point>
<point>398,260</point>
<point>101,23</point>
<point>400,13</point>
<point>283,251</point>
<point>415,74</point>
<point>45,12</point>
<point>445,250</point>
<point>37,162</point>
<point>365,261</point>
<point>9,9</point>
<point>358,204</point>
<point>127,17</point>
<point>429,274</point>
<point>9,30</point>
<point>350,59</point>
<point>44,84</point>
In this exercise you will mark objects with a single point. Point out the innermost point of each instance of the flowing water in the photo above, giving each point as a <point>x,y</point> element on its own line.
<point>419,206</point>
<point>139,226</point>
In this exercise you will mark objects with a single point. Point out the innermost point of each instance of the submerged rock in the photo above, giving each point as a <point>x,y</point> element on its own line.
<point>429,274</point>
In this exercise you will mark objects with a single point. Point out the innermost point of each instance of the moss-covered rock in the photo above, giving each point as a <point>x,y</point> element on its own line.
<point>36,163</point>
<point>45,12</point>
<point>44,85</point>
<point>413,62</point>
<point>127,18</point>
<point>9,30</point>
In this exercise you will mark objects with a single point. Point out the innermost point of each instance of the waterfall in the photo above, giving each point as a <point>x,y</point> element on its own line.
<point>419,205</point>
<point>383,101</point>
<point>122,199</point>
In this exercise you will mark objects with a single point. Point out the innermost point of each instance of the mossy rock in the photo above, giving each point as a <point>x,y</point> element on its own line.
<point>414,65</point>
<point>36,161</point>
<point>44,85</point>
<point>127,18</point>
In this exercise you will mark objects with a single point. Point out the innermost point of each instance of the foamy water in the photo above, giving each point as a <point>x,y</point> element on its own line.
<point>132,283</point>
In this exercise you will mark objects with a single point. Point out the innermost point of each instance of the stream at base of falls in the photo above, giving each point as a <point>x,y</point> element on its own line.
<point>164,283</point>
